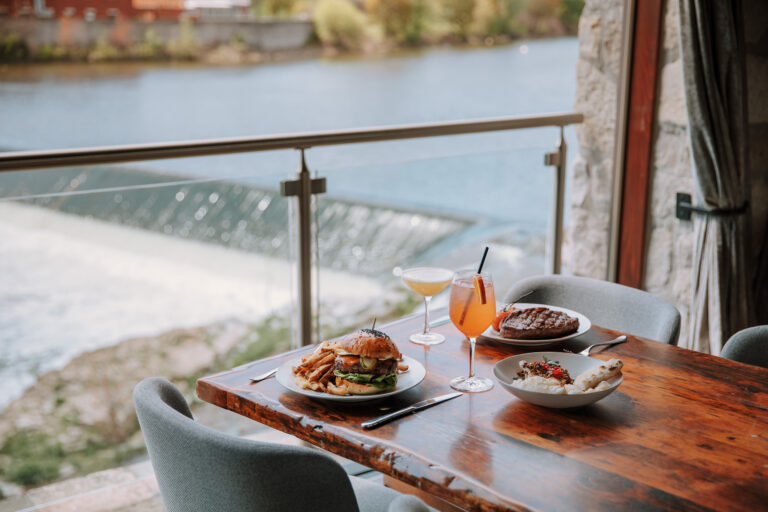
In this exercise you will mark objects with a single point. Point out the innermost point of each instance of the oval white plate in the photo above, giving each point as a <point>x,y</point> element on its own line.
<point>405,381</point>
<point>584,326</point>
<point>506,370</point>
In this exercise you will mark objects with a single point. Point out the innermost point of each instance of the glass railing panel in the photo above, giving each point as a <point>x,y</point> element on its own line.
<point>107,282</point>
<point>426,204</point>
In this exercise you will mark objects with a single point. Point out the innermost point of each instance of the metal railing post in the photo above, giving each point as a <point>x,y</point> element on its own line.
<point>558,161</point>
<point>303,188</point>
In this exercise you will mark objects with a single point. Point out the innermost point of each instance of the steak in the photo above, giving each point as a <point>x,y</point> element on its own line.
<point>538,323</point>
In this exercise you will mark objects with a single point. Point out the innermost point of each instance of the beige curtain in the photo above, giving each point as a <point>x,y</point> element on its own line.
<point>713,54</point>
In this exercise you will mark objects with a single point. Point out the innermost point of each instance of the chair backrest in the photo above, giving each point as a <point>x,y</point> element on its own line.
<point>608,305</point>
<point>200,469</point>
<point>749,346</point>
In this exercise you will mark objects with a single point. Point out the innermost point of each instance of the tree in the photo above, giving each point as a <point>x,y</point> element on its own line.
<point>459,14</point>
<point>394,15</point>
<point>570,12</point>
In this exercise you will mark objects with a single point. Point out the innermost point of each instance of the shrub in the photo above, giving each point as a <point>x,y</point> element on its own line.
<point>52,52</point>
<point>13,47</point>
<point>393,15</point>
<point>104,50</point>
<point>459,13</point>
<point>278,7</point>
<point>33,472</point>
<point>33,458</point>
<point>570,12</point>
<point>339,23</point>
<point>185,45</point>
<point>543,8</point>
<point>150,48</point>
<point>417,23</point>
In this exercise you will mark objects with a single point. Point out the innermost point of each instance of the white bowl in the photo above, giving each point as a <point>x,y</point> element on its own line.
<point>506,370</point>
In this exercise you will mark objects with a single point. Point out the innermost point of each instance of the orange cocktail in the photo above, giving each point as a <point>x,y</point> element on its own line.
<point>472,309</point>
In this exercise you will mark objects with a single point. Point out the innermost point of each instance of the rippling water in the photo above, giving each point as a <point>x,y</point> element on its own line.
<point>72,283</point>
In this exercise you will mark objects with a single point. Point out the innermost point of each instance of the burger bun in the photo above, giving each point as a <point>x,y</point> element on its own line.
<point>369,343</point>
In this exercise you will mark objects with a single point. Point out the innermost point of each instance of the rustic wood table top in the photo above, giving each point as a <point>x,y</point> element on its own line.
<point>684,431</point>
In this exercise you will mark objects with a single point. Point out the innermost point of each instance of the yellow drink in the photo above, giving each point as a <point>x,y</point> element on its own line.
<point>466,309</point>
<point>427,281</point>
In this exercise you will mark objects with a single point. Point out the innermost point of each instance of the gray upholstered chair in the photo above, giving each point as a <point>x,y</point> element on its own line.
<point>608,305</point>
<point>749,346</point>
<point>201,469</point>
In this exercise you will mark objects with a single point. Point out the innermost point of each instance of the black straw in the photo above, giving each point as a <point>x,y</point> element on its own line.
<point>482,261</point>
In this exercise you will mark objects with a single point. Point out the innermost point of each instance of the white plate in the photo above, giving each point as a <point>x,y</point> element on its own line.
<point>405,381</point>
<point>584,326</point>
<point>506,370</point>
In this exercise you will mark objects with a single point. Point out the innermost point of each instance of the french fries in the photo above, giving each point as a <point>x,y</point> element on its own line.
<point>315,371</point>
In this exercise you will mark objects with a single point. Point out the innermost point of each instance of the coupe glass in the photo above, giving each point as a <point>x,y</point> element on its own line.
<point>427,281</point>
<point>472,309</point>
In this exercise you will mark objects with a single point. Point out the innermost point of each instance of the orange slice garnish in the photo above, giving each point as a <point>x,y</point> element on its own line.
<point>477,282</point>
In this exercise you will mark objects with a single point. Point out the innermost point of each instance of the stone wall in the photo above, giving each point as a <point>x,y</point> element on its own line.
<point>597,70</point>
<point>669,241</point>
<point>667,270</point>
<point>261,35</point>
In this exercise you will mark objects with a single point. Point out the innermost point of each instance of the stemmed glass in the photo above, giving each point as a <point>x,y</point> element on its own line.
<point>427,281</point>
<point>472,309</point>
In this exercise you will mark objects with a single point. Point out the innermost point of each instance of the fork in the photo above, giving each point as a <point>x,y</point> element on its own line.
<point>264,375</point>
<point>616,341</point>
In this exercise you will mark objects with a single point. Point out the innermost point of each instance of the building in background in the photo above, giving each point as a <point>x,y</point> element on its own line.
<point>90,10</point>
<point>218,9</point>
<point>150,10</point>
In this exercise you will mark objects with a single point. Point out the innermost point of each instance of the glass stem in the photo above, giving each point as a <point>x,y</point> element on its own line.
<point>472,357</point>
<point>426,314</point>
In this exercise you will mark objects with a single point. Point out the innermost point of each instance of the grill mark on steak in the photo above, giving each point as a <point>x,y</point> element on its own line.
<point>538,323</point>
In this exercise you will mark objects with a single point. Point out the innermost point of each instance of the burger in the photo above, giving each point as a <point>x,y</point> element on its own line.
<point>366,362</point>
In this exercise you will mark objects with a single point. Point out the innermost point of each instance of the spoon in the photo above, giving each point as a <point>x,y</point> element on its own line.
<point>620,339</point>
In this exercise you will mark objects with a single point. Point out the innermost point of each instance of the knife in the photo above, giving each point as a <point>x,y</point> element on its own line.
<point>440,321</point>
<point>408,410</point>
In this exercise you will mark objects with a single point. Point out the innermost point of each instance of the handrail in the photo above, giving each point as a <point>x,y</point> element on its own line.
<point>28,160</point>
<point>304,187</point>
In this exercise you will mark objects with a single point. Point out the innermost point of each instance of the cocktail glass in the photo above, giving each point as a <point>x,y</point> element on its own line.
<point>472,309</point>
<point>427,282</point>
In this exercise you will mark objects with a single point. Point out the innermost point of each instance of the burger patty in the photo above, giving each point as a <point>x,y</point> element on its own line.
<point>351,364</point>
<point>537,323</point>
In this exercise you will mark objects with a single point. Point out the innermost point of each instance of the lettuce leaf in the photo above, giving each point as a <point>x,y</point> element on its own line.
<point>386,381</point>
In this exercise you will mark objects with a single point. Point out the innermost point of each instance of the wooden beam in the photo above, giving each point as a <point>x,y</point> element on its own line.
<point>646,47</point>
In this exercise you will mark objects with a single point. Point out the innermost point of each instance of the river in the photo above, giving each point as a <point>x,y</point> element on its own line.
<point>71,284</point>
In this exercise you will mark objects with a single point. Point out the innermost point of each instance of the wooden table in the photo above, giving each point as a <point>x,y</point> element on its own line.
<point>685,431</point>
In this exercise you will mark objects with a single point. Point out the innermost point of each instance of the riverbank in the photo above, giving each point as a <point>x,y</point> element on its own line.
<point>322,27</point>
<point>81,419</point>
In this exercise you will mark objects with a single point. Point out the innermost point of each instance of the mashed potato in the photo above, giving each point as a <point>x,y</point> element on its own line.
<point>601,378</point>
<point>540,384</point>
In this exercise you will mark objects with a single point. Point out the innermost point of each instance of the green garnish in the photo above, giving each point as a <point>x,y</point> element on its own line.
<point>383,382</point>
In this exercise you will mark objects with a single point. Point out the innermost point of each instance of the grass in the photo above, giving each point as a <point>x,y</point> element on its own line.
<point>271,336</point>
<point>33,458</point>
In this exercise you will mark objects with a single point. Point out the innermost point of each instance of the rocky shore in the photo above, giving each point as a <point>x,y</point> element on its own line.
<point>81,419</point>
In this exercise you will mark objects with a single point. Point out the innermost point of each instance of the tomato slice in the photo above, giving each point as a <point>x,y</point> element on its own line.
<point>500,318</point>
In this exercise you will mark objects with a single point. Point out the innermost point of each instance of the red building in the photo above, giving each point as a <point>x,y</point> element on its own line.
<point>149,10</point>
<point>90,10</point>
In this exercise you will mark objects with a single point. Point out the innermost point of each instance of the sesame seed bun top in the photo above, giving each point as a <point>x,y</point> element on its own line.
<point>370,343</point>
